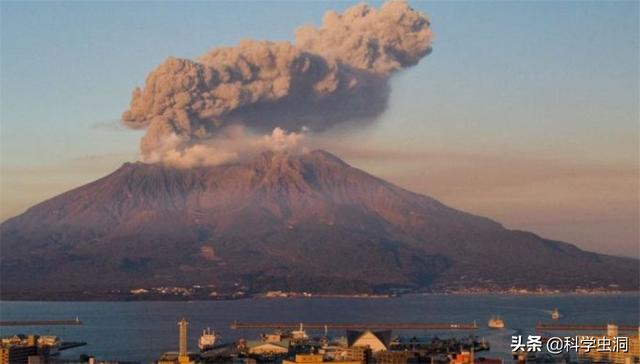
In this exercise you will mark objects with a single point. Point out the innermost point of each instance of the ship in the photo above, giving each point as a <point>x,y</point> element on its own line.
<point>495,322</point>
<point>208,339</point>
<point>299,334</point>
<point>555,314</point>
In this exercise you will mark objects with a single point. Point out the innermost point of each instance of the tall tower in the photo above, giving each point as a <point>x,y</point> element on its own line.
<point>183,354</point>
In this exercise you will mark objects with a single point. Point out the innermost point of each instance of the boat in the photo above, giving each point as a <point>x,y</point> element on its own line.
<point>555,314</point>
<point>495,322</point>
<point>299,334</point>
<point>208,339</point>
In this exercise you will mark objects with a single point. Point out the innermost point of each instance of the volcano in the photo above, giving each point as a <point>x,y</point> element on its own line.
<point>279,221</point>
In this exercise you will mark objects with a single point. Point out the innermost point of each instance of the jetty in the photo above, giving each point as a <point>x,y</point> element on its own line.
<point>581,327</point>
<point>65,345</point>
<point>73,322</point>
<point>354,326</point>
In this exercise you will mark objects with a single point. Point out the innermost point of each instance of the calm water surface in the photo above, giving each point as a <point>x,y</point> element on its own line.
<point>141,331</point>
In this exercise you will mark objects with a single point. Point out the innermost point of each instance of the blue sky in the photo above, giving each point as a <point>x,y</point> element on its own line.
<point>542,95</point>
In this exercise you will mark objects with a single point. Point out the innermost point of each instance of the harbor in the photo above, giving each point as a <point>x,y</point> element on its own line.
<point>143,331</point>
<point>311,342</point>
<point>360,343</point>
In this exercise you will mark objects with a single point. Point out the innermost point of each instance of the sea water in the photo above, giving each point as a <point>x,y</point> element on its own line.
<point>141,331</point>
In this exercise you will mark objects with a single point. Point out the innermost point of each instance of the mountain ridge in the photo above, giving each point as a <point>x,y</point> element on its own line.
<point>304,222</point>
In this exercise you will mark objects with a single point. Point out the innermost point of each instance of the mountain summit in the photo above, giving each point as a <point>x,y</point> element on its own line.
<point>284,221</point>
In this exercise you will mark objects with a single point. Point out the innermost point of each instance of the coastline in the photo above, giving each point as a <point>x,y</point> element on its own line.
<point>263,296</point>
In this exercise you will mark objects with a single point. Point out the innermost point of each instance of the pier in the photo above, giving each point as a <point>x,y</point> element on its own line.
<point>65,345</point>
<point>354,326</point>
<point>74,322</point>
<point>578,327</point>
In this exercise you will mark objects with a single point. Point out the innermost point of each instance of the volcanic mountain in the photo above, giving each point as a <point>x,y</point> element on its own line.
<point>293,222</point>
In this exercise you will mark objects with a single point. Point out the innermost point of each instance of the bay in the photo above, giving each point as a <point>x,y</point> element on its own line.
<point>141,331</point>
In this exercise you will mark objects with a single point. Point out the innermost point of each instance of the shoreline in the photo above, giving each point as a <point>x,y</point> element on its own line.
<point>313,296</point>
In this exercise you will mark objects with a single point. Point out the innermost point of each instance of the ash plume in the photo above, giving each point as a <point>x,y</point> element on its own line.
<point>331,74</point>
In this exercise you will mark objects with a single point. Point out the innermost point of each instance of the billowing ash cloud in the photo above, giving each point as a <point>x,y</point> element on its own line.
<point>331,74</point>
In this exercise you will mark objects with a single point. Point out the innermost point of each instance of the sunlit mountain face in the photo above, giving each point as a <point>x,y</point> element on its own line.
<point>296,222</point>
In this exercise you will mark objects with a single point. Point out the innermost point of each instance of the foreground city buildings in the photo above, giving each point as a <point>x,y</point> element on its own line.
<point>356,347</point>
